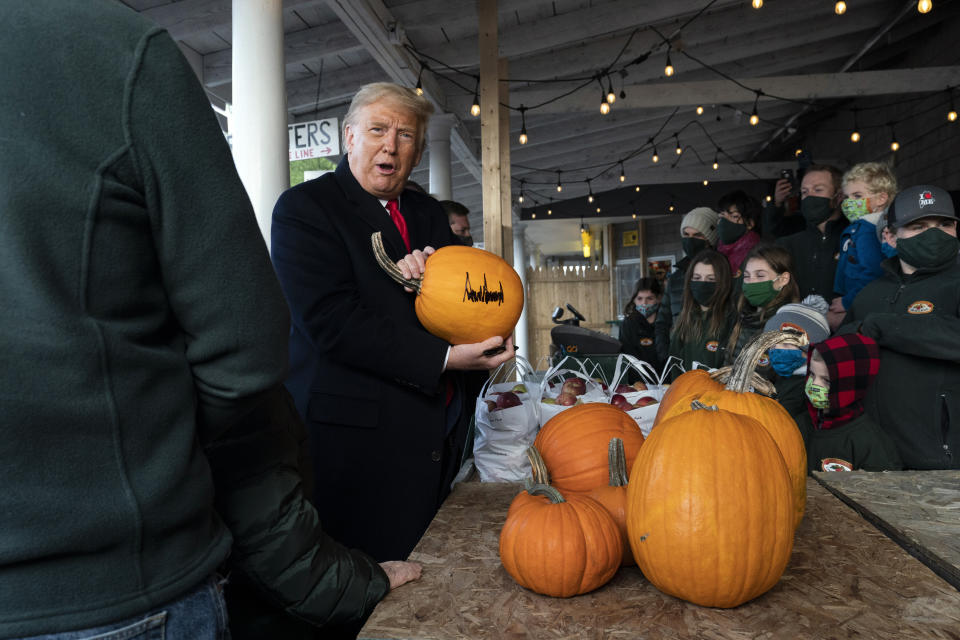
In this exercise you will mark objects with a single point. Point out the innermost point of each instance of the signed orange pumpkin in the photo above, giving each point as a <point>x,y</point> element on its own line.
<point>465,295</point>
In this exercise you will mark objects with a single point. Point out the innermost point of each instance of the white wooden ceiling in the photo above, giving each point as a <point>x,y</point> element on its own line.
<point>554,46</point>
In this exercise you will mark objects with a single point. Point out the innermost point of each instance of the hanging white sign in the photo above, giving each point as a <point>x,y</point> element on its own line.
<point>314,139</point>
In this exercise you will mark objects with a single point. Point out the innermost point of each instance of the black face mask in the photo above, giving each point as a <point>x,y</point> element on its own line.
<point>930,249</point>
<point>702,291</point>
<point>816,209</point>
<point>693,246</point>
<point>729,232</point>
<point>465,240</point>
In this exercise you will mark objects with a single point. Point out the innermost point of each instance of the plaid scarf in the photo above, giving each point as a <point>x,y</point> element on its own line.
<point>853,361</point>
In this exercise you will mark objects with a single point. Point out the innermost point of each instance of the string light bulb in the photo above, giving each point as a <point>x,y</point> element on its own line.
<point>855,136</point>
<point>656,156</point>
<point>611,96</point>
<point>768,198</point>
<point>796,154</point>
<point>716,161</point>
<point>520,197</point>
<point>604,105</point>
<point>637,188</point>
<point>679,149</point>
<point>623,177</point>
<point>757,4</point>
<point>840,8</point>
<point>523,125</point>
<point>559,184</point>
<point>475,107</point>
<point>952,114</point>
<point>590,194</point>
<point>672,208</point>
<point>699,110</point>
<point>549,212</point>
<point>419,87</point>
<point>706,182</point>
<point>924,6</point>
<point>668,70</point>
<point>754,117</point>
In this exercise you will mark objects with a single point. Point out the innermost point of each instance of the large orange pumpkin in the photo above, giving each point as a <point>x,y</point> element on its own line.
<point>709,508</point>
<point>613,497</point>
<point>771,415</point>
<point>686,383</point>
<point>560,547</point>
<point>465,295</point>
<point>575,444</point>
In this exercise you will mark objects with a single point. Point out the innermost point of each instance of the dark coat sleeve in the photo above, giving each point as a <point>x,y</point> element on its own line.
<point>279,545</point>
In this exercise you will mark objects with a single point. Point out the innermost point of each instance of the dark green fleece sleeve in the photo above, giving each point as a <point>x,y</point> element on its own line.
<point>926,336</point>
<point>213,260</point>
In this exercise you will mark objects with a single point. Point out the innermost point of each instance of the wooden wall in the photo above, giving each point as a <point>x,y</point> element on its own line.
<point>587,289</point>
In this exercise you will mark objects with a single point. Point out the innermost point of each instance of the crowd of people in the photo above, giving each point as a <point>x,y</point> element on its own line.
<point>868,272</point>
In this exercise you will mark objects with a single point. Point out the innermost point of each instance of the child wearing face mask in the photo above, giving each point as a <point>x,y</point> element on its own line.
<point>868,188</point>
<point>789,363</point>
<point>768,284</point>
<point>913,313</point>
<point>637,334</point>
<point>838,434</point>
<point>737,229</point>
<point>703,326</point>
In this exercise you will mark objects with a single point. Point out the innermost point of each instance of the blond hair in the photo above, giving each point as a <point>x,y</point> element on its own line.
<point>407,99</point>
<point>876,175</point>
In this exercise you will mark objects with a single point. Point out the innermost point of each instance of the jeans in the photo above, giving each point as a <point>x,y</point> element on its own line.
<point>199,615</point>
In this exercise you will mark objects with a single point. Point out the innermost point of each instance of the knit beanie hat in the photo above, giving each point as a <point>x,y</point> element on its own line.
<point>808,315</point>
<point>704,220</point>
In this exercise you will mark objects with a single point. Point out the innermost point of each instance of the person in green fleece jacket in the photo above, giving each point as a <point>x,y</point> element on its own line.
<point>913,313</point>
<point>141,322</point>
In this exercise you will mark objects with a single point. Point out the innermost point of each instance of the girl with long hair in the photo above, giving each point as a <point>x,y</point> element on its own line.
<point>637,332</point>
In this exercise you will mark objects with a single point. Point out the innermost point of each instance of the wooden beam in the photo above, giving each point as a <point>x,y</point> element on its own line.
<point>300,47</point>
<point>372,23</point>
<point>811,87</point>
<point>490,125</point>
<point>506,206</point>
<point>189,17</point>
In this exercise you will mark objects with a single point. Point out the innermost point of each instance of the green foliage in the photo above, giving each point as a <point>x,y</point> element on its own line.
<point>297,167</point>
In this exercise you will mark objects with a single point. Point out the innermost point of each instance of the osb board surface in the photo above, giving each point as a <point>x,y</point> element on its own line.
<point>918,509</point>
<point>845,580</point>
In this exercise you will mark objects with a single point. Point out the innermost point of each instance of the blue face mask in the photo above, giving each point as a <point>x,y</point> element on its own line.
<point>887,250</point>
<point>647,310</point>
<point>786,361</point>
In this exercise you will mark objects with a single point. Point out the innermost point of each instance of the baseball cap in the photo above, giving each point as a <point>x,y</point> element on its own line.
<point>921,201</point>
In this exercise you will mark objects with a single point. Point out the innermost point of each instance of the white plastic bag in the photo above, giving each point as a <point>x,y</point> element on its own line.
<point>503,435</point>
<point>556,375</point>
<point>644,415</point>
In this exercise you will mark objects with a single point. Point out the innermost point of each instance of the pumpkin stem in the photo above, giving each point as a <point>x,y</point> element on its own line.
<point>618,463</point>
<point>389,266</point>
<point>758,382</point>
<point>538,466</point>
<point>696,405</point>
<point>741,374</point>
<point>546,490</point>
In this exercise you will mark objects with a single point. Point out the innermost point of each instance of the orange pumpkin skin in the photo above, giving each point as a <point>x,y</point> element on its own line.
<point>774,418</point>
<point>574,445</point>
<point>468,295</point>
<point>613,497</point>
<point>710,509</point>
<point>560,549</point>
<point>686,383</point>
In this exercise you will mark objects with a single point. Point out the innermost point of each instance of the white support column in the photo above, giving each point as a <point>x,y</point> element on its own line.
<point>259,127</point>
<point>521,335</point>
<point>438,137</point>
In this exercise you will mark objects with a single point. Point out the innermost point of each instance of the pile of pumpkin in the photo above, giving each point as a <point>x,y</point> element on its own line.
<point>708,511</point>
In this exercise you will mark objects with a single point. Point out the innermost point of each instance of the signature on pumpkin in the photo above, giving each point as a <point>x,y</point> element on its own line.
<point>483,294</point>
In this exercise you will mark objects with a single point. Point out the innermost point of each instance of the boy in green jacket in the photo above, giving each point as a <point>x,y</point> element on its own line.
<point>913,313</point>
<point>837,433</point>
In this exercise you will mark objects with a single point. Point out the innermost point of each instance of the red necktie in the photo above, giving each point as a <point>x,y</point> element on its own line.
<point>394,208</point>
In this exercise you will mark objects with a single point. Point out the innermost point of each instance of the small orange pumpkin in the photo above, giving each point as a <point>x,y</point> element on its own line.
<point>709,508</point>
<point>465,295</point>
<point>771,415</point>
<point>575,444</point>
<point>613,497</point>
<point>559,547</point>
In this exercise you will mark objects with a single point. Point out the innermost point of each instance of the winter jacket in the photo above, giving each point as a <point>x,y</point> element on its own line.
<point>140,314</point>
<point>860,258</point>
<point>916,397</point>
<point>708,350</point>
<point>790,392</point>
<point>737,252</point>
<point>286,574</point>
<point>670,305</point>
<point>858,444</point>
<point>637,336</point>
<point>776,224</point>
<point>815,257</point>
